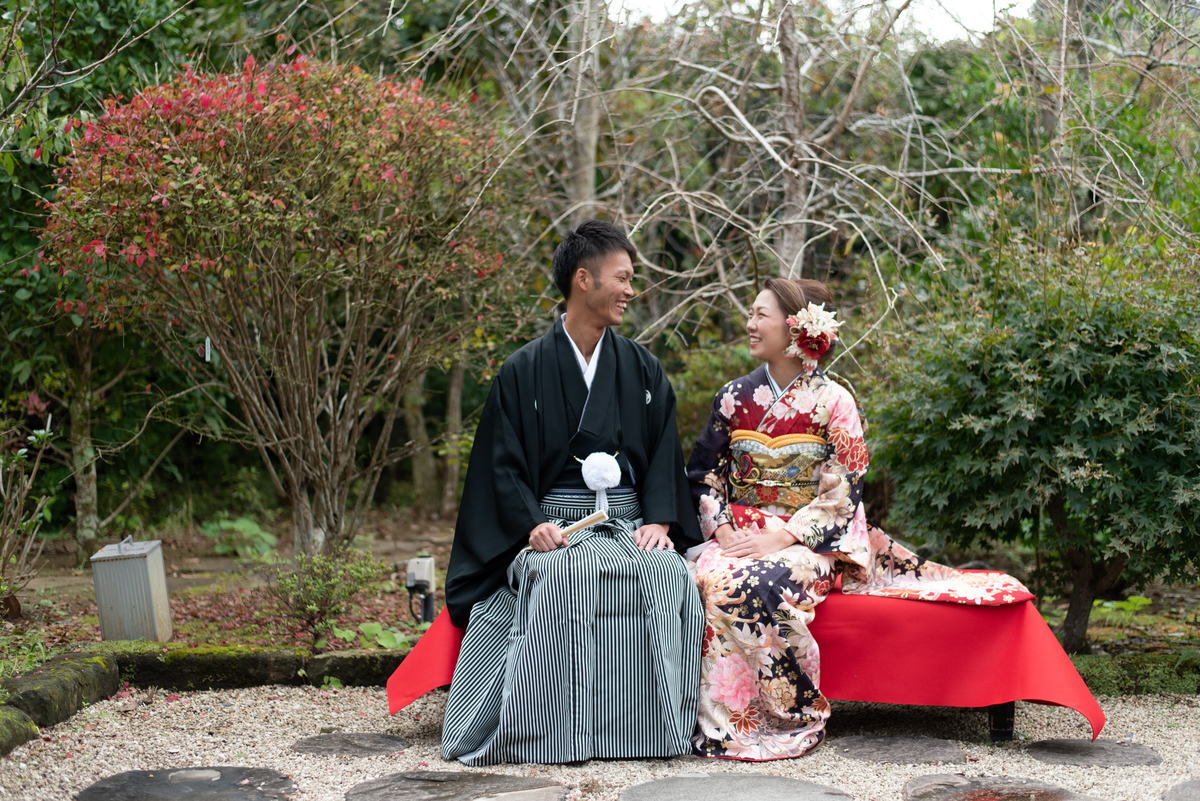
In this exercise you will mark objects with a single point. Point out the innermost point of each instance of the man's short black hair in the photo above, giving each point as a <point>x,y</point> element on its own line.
<point>584,248</point>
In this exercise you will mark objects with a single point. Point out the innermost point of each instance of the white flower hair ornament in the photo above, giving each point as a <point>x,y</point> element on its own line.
<point>814,331</point>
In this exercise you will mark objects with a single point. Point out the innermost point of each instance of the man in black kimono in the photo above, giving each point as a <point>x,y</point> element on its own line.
<point>588,645</point>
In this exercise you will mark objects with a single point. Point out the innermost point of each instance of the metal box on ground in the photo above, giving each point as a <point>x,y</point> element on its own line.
<point>131,591</point>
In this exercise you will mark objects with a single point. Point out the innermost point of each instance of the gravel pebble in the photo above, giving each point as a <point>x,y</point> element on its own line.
<point>257,726</point>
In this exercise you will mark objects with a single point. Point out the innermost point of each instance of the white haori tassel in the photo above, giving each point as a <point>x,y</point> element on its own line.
<point>601,472</point>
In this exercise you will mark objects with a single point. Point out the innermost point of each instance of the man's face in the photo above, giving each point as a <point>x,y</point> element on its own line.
<point>606,291</point>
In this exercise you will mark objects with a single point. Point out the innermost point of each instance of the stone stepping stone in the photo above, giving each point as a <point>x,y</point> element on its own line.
<point>222,783</point>
<point>433,785</point>
<point>1188,791</point>
<point>1102,753</point>
<point>950,787</point>
<point>901,750</point>
<point>350,744</point>
<point>731,787</point>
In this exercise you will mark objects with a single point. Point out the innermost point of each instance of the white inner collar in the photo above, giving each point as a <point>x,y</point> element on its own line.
<point>774,386</point>
<point>587,368</point>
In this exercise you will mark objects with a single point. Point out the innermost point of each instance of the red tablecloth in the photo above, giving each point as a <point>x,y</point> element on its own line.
<point>884,650</point>
<point>894,651</point>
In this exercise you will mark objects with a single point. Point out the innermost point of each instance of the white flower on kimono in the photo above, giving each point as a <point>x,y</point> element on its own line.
<point>731,682</point>
<point>727,405</point>
<point>795,630</point>
<point>782,692</point>
<point>762,645</point>
<point>763,396</point>
<point>803,400</point>
<point>821,414</point>
<point>792,600</point>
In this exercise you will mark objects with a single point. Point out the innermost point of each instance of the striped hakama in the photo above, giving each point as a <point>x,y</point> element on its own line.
<point>593,652</point>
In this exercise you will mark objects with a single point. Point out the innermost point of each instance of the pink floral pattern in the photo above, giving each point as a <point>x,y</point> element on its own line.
<point>760,693</point>
<point>731,683</point>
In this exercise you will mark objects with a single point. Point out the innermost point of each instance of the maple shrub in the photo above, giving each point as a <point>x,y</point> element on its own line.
<point>301,236</point>
<point>1055,405</point>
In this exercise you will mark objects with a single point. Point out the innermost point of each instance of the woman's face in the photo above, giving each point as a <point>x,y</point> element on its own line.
<point>767,327</point>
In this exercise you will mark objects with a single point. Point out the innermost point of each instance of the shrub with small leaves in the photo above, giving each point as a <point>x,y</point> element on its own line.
<point>1056,404</point>
<point>320,587</point>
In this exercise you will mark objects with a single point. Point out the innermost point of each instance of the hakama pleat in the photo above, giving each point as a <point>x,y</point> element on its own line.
<point>593,651</point>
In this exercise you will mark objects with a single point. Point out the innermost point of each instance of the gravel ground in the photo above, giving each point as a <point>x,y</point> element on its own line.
<point>255,727</point>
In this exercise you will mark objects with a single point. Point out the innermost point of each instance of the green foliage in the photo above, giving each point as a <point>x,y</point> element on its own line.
<point>1122,610</point>
<point>373,634</point>
<point>320,587</point>
<point>242,536</point>
<point>21,513</point>
<point>1055,401</point>
<point>696,381</point>
<point>21,651</point>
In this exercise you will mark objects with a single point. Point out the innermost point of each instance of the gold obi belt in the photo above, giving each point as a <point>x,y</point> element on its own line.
<point>775,472</point>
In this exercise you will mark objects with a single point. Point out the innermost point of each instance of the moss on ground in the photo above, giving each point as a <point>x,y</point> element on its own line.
<point>1139,674</point>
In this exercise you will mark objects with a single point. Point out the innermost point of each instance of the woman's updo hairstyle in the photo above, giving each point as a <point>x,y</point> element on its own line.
<point>817,292</point>
<point>790,294</point>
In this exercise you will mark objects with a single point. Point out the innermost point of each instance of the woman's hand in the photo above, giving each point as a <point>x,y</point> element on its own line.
<point>726,534</point>
<point>755,546</point>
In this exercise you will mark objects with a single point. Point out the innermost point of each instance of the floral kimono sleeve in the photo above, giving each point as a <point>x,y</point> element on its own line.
<point>834,522</point>
<point>708,469</point>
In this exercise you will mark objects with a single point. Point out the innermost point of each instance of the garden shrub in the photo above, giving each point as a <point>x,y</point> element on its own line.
<point>303,237</point>
<point>1057,404</point>
<point>320,587</point>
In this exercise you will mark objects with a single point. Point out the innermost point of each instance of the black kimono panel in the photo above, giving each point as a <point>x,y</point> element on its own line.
<point>539,418</point>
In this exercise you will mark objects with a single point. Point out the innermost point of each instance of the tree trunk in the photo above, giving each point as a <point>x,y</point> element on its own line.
<point>795,182</point>
<point>453,432</point>
<point>583,105</point>
<point>424,468</point>
<point>83,451</point>
<point>309,537</point>
<point>1090,578</point>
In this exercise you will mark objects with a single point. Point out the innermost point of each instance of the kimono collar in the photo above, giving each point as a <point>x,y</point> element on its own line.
<point>775,386</point>
<point>587,368</point>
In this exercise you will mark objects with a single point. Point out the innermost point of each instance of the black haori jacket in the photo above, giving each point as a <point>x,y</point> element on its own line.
<point>538,418</point>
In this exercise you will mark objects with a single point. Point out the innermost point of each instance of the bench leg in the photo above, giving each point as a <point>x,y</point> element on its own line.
<point>1001,721</point>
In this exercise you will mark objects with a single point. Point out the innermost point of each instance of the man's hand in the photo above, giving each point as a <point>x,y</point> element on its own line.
<point>653,537</point>
<point>756,546</point>
<point>547,537</point>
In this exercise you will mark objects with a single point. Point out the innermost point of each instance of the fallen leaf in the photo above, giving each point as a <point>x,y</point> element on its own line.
<point>244,781</point>
<point>172,697</point>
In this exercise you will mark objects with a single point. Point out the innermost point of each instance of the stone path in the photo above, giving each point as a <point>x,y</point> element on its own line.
<point>899,750</point>
<point>350,744</point>
<point>731,787</point>
<point>1188,791</point>
<point>222,783</point>
<point>948,787</point>
<point>198,735</point>
<point>1102,753</point>
<point>432,785</point>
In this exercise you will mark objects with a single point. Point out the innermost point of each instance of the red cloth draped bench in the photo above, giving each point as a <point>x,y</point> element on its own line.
<point>883,650</point>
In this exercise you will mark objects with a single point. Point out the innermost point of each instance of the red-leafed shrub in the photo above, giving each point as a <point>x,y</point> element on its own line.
<point>320,228</point>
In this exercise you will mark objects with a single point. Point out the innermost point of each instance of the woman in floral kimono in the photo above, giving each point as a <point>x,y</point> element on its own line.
<point>777,475</point>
